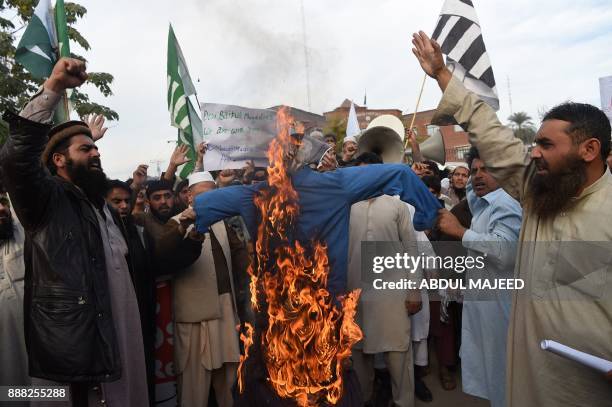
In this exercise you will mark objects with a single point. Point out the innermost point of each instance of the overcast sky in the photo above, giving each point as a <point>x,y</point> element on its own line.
<point>251,53</point>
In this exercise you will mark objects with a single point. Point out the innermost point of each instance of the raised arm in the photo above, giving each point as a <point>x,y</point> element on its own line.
<point>369,181</point>
<point>25,177</point>
<point>417,156</point>
<point>200,153</point>
<point>504,155</point>
<point>178,158</point>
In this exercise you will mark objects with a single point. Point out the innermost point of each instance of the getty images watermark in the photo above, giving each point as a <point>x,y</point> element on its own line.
<point>405,263</point>
<point>560,270</point>
<point>391,268</point>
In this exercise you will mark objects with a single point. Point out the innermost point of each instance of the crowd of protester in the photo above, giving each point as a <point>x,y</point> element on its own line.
<point>108,286</point>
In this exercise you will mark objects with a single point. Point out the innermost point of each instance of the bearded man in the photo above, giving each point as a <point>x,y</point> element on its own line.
<point>457,184</point>
<point>563,255</point>
<point>82,322</point>
<point>161,236</point>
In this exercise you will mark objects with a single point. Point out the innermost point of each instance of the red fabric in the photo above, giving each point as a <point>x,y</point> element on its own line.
<point>165,378</point>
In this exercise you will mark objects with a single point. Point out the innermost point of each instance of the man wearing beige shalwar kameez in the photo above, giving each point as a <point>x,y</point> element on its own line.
<point>383,315</point>
<point>568,280</point>
<point>206,345</point>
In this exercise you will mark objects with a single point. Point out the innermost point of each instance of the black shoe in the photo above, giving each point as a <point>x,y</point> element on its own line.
<point>422,392</point>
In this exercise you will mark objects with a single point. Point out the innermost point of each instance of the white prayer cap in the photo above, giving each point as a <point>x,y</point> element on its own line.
<point>454,165</point>
<point>197,177</point>
<point>349,138</point>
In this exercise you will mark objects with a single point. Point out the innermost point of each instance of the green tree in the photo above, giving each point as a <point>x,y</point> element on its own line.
<point>17,85</point>
<point>3,131</point>
<point>523,127</point>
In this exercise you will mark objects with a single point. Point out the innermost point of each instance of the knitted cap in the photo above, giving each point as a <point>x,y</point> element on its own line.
<point>62,132</point>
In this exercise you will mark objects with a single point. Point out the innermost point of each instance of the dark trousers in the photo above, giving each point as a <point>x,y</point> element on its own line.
<point>443,335</point>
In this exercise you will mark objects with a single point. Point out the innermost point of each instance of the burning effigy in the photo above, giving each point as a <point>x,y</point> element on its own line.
<point>309,334</point>
<point>296,353</point>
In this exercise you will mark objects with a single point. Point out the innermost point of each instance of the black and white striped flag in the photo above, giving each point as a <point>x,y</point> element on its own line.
<point>459,35</point>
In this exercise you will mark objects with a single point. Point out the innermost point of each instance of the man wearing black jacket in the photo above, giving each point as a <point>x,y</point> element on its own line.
<point>119,197</point>
<point>82,322</point>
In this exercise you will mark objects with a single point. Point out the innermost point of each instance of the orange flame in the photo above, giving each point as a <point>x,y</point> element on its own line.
<point>247,340</point>
<point>308,337</point>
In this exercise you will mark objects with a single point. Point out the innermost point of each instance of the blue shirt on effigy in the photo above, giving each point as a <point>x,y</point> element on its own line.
<point>325,201</point>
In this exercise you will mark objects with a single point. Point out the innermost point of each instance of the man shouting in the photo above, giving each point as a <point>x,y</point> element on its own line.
<point>81,316</point>
<point>563,255</point>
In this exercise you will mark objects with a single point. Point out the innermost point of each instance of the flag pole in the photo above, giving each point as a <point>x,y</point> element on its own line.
<point>416,109</point>
<point>61,33</point>
<point>198,102</point>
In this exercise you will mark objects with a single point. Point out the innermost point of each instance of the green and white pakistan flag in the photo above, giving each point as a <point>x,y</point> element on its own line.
<point>183,115</point>
<point>38,49</point>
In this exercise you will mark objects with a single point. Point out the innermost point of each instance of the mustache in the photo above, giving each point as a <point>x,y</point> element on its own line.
<point>478,183</point>
<point>94,161</point>
<point>540,164</point>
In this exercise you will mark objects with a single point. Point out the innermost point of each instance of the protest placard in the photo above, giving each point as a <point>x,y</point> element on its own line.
<point>236,135</point>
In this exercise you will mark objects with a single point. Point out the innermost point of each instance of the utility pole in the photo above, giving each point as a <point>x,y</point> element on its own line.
<point>306,63</point>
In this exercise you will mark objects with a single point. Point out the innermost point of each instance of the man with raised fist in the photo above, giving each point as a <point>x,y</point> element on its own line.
<point>82,322</point>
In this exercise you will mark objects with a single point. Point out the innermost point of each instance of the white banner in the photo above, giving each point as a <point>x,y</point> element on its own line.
<point>605,88</point>
<point>236,135</point>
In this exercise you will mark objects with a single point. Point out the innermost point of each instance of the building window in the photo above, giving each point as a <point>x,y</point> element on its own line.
<point>462,151</point>
<point>431,129</point>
